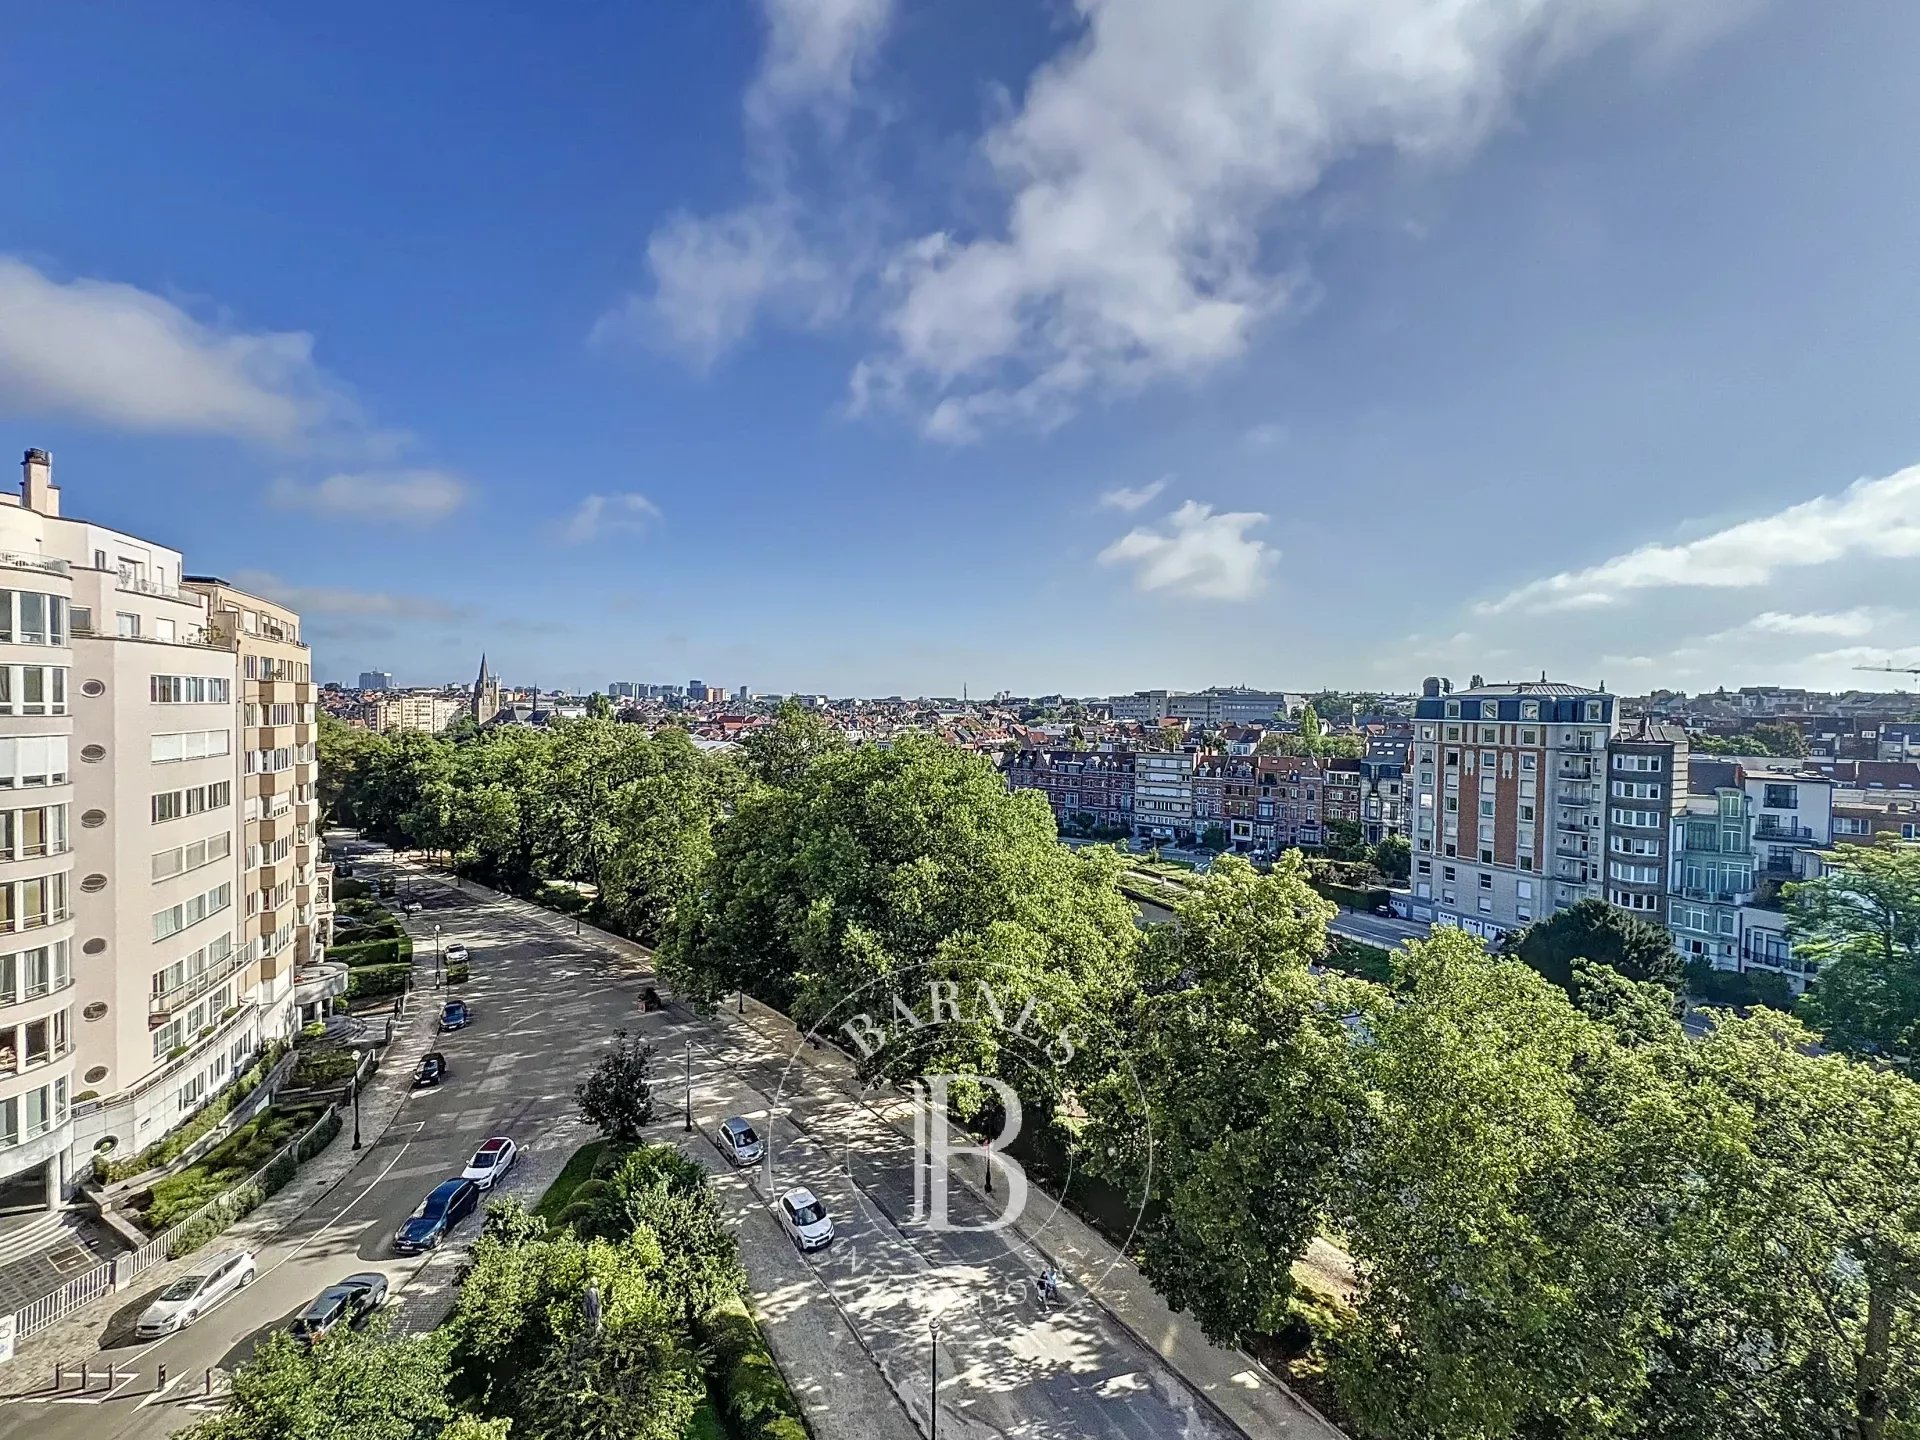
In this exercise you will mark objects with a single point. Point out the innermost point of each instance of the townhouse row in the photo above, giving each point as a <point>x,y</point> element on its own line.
<point>161,881</point>
<point>1258,804</point>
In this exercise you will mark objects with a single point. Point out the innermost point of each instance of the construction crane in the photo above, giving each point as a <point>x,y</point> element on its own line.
<point>1892,669</point>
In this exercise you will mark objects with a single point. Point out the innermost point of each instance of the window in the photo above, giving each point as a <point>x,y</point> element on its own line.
<point>1486,882</point>
<point>29,904</point>
<point>1489,735</point>
<point>1523,889</point>
<point>1425,867</point>
<point>1526,813</point>
<point>1782,797</point>
<point>1526,862</point>
<point>1640,819</point>
<point>1486,809</point>
<point>1529,763</point>
<point>28,617</point>
<point>33,690</point>
<point>1453,711</point>
<point>1486,855</point>
<point>190,690</point>
<point>1446,873</point>
<point>174,919</point>
<point>1635,874</point>
<point>1645,764</point>
<point>1529,710</point>
<point>1594,715</point>
<point>184,972</point>
<point>182,858</point>
<point>29,760</point>
<point>128,626</point>
<point>29,834</point>
<point>191,745</point>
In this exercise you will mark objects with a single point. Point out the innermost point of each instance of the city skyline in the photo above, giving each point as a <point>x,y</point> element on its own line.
<point>1564,343</point>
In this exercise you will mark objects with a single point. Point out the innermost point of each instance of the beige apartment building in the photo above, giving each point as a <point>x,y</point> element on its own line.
<point>428,711</point>
<point>139,965</point>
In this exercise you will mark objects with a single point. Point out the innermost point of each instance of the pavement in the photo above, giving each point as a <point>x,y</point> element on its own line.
<point>850,1325</point>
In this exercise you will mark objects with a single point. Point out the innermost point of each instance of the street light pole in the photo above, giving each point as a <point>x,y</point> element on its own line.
<point>933,1380</point>
<point>689,1087</point>
<point>354,1091</point>
<point>436,953</point>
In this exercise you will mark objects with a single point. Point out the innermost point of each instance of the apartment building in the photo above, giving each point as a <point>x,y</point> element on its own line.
<point>376,680</point>
<point>1508,814</point>
<point>1081,786</point>
<point>128,993</point>
<point>1647,789</point>
<point>1383,790</point>
<point>1287,800</point>
<point>1163,795</point>
<point>1340,802</point>
<point>428,711</point>
<point>1220,705</point>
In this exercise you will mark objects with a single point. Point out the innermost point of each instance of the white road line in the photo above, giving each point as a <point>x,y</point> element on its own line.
<point>285,1259</point>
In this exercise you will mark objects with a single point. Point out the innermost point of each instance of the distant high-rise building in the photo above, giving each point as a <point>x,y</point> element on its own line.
<point>626,690</point>
<point>745,692</point>
<point>697,690</point>
<point>376,680</point>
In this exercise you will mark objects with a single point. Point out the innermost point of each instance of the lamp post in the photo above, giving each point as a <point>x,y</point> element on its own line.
<point>689,1126</point>
<point>354,1090</point>
<point>436,953</point>
<point>933,1380</point>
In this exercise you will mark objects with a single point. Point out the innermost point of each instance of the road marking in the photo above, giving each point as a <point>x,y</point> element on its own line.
<point>285,1259</point>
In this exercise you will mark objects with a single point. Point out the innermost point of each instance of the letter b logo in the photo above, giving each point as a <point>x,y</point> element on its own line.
<point>934,1151</point>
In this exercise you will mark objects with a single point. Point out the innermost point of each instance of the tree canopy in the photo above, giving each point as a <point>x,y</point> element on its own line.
<point>1603,933</point>
<point>1860,922</point>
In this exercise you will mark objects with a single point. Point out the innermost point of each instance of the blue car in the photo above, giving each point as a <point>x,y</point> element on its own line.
<point>454,1015</point>
<point>450,1203</point>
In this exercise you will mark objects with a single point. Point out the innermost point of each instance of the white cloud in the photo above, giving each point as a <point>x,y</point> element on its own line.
<point>1846,624</point>
<point>333,601</point>
<point>415,497</point>
<point>1150,156</point>
<point>1263,437</point>
<point>1197,553</point>
<point>598,515</point>
<point>1870,518</point>
<point>714,275</point>
<point>1132,499</point>
<point>121,356</point>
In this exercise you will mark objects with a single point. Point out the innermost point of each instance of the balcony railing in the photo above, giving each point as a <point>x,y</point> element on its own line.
<point>1574,797</point>
<point>1715,894</point>
<point>195,986</point>
<point>196,1051</point>
<point>140,585</point>
<point>45,564</point>
<point>1764,831</point>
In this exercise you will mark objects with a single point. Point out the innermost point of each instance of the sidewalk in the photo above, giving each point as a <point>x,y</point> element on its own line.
<point>81,1334</point>
<point>1242,1391</point>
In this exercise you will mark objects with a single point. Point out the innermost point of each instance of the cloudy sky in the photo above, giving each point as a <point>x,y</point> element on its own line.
<point>895,345</point>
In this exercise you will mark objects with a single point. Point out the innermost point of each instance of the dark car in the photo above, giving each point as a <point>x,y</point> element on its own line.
<point>343,868</point>
<point>450,1203</point>
<point>347,1303</point>
<point>454,1015</point>
<point>431,1070</point>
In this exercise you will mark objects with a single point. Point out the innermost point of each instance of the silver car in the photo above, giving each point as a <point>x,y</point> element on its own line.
<point>739,1143</point>
<point>191,1296</point>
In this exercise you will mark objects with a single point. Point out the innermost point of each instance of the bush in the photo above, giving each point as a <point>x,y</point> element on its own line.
<point>372,952</point>
<point>705,1424</point>
<point>228,1163</point>
<point>564,898</point>
<point>346,887</point>
<point>368,981</point>
<point>216,1110</point>
<point>317,1030</point>
<point>755,1396</point>
<point>582,1164</point>
<point>458,974</point>
<point>329,1065</point>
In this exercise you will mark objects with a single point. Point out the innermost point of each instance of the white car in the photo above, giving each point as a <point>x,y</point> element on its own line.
<point>458,954</point>
<point>191,1296</point>
<point>806,1219</point>
<point>491,1162</point>
<point>738,1142</point>
<point>411,907</point>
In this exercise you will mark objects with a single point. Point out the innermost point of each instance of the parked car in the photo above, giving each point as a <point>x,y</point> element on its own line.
<point>344,868</point>
<point>348,1303</point>
<point>431,1070</point>
<point>411,907</point>
<point>458,955</point>
<point>454,1015</point>
<point>805,1219</point>
<point>450,1203</point>
<point>739,1143</point>
<point>191,1296</point>
<point>491,1161</point>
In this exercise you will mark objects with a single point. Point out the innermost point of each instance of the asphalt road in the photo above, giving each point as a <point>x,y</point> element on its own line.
<point>539,1010</point>
<point>545,1005</point>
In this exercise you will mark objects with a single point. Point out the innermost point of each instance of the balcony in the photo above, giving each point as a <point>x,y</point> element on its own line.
<point>1714,895</point>
<point>161,1007</point>
<point>1576,770</point>
<point>1581,798</point>
<point>43,564</point>
<point>195,1053</point>
<point>1767,830</point>
<point>1573,825</point>
<point>140,585</point>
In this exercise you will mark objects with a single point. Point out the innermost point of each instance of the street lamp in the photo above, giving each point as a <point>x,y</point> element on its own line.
<point>436,953</point>
<point>933,1380</point>
<point>689,1087</point>
<point>353,1089</point>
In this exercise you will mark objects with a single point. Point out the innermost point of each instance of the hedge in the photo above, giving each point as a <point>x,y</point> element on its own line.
<point>458,974</point>
<point>372,952</point>
<point>345,887</point>
<point>216,1110</point>
<point>755,1396</point>
<point>704,1424</point>
<point>366,981</point>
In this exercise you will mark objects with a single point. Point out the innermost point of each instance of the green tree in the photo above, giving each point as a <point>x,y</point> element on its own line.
<point>616,1098</point>
<point>658,1190</point>
<point>371,1384</point>
<point>1346,840</point>
<point>1214,837</point>
<point>1393,857</point>
<point>1605,934</point>
<point>779,753</point>
<point>1311,730</point>
<point>1781,738</point>
<point>1248,1066</point>
<point>528,1347</point>
<point>599,707</point>
<point>345,754</point>
<point>1860,921</point>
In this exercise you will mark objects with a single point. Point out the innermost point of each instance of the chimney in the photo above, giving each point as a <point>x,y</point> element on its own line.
<point>37,490</point>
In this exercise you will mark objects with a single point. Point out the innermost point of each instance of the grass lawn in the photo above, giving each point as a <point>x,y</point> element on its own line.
<point>578,1171</point>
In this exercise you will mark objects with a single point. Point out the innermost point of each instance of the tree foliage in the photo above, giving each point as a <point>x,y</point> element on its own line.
<point>1860,922</point>
<point>1605,934</point>
<point>616,1098</point>
<point>1393,857</point>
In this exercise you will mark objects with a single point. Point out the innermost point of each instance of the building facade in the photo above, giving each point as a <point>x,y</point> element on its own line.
<point>426,711</point>
<point>376,680</point>
<point>1163,795</point>
<point>131,984</point>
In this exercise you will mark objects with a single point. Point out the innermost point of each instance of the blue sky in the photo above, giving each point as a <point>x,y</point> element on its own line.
<point>890,345</point>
